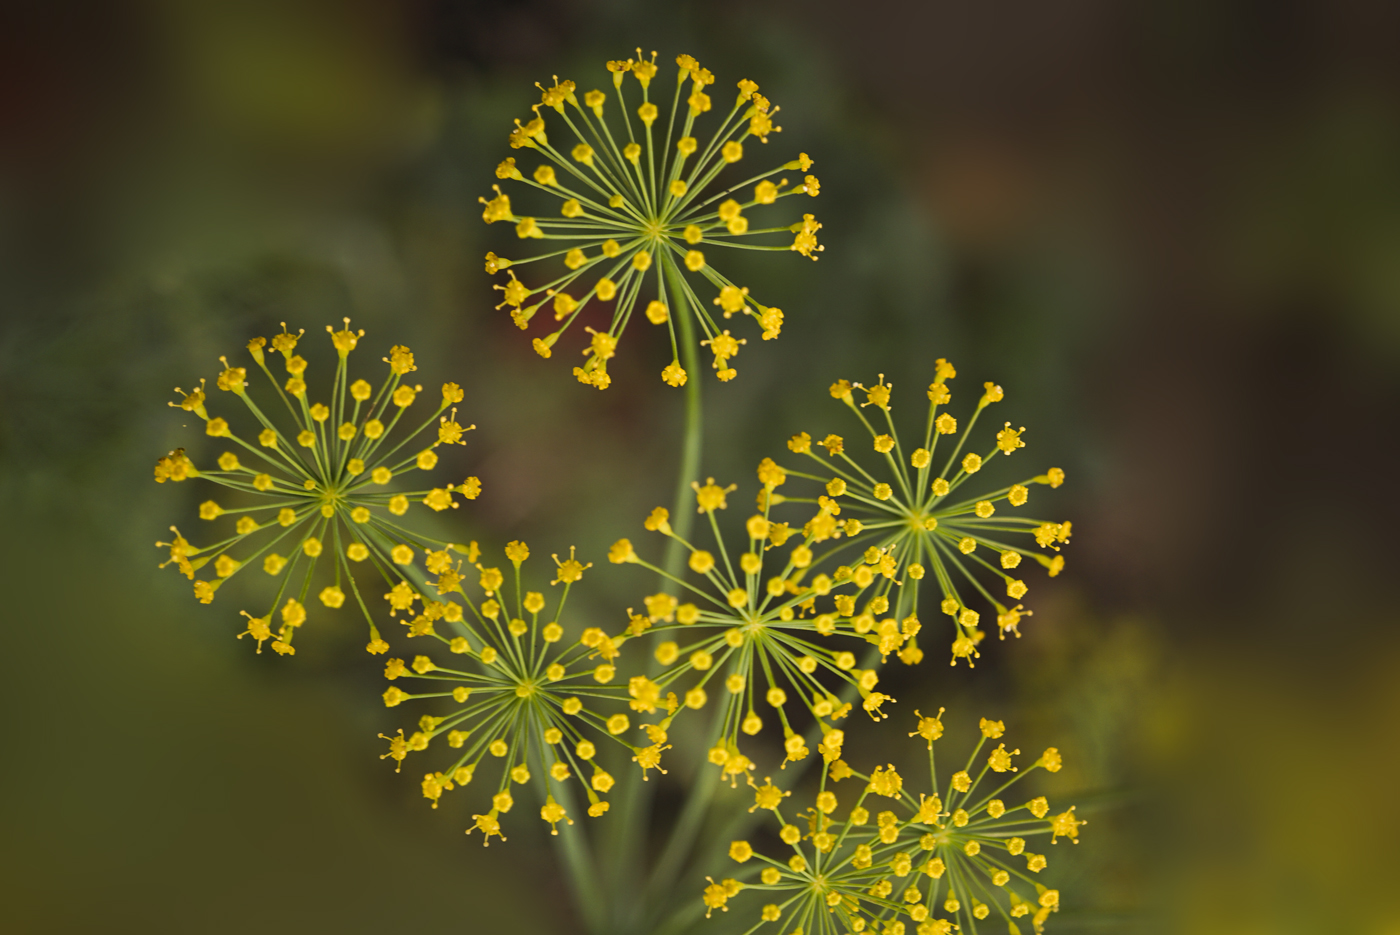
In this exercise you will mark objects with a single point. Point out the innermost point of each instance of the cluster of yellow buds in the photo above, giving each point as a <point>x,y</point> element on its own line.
<point>921,521</point>
<point>639,223</point>
<point>943,860</point>
<point>520,688</point>
<point>317,486</point>
<point>788,626</point>
<point>749,627</point>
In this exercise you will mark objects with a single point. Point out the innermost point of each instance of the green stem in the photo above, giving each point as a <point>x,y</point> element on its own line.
<point>683,512</point>
<point>634,803</point>
<point>573,850</point>
<point>627,837</point>
<point>574,854</point>
<point>682,838</point>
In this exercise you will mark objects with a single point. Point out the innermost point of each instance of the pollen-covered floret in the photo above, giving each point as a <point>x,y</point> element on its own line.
<point>508,686</point>
<point>912,523</point>
<point>757,629</point>
<point>640,224</point>
<point>959,850</point>
<point>889,854</point>
<point>309,480</point>
<point>838,868</point>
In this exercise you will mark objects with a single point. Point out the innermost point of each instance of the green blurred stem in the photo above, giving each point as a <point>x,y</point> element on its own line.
<point>687,828</point>
<point>573,851</point>
<point>626,844</point>
<point>583,882</point>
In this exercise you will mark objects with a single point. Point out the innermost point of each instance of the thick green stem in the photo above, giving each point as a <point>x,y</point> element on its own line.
<point>626,844</point>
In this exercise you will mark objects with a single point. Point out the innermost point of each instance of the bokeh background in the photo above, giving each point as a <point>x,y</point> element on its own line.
<point>1170,229</point>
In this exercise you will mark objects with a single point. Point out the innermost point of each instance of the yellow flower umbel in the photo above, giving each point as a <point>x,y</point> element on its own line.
<point>836,874</point>
<point>520,690</point>
<point>751,632</point>
<point>916,516</point>
<point>967,846</point>
<point>642,214</point>
<point>313,480</point>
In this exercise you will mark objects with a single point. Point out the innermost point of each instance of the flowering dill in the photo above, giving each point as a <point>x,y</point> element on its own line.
<point>317,484</point>
<point>522,693</point>
<point>969,838</point>
<point>917,519</point>
<point>751,624</point>
<point>632,207</point>
<point>951,852</point>
<point>837,875</point>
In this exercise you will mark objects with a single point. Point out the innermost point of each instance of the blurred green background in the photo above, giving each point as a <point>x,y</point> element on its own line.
<point>1171,230</point>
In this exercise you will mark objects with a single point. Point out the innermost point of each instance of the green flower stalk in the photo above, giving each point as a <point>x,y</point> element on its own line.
<point>642,213</point>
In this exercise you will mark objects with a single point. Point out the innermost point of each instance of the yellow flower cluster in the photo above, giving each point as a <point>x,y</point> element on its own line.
<point>750,627</point>
<point>942,861</point>
<point>914,519</point>
<point>641,219</point>
<point>317,481</point>
<point>519,691</point>
<point>836,875</point>
<point>786,626</point>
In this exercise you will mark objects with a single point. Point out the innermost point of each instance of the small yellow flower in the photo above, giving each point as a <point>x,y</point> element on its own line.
<point>503,709</point>
<point>921,852</point>
<point>662,204</point>
<point>932,517</point>
<point>330,477</point>
<point>758,613</point>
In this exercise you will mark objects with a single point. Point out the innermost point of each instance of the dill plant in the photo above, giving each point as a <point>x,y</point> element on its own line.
<point>774,642</point>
